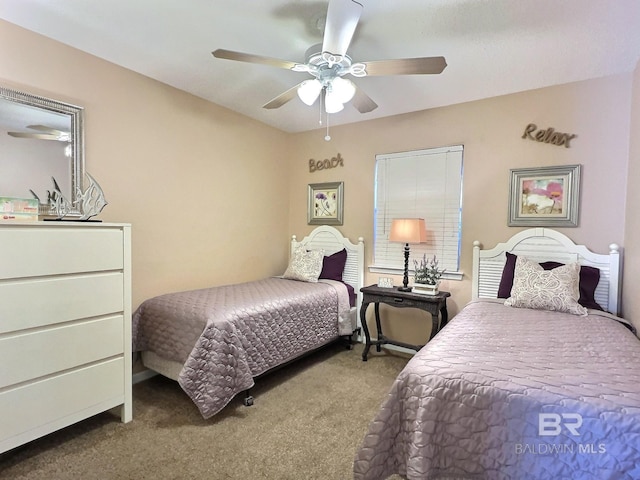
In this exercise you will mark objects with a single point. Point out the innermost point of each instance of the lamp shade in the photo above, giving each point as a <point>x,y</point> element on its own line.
<point>408,230</point>
<point>309,91</point>
<point>343,89</point>
<point>331,104</point>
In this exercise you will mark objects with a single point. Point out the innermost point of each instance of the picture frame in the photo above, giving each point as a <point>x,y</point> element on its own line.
<point>545,196</point>
<point>325,203</point>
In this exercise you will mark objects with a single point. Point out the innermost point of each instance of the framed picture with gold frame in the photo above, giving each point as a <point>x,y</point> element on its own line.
<point>545,196</point>
<point>325,203</point>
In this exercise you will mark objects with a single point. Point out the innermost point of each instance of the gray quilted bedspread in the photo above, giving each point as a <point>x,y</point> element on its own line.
<point>508,393</point>
<point>227,335</point>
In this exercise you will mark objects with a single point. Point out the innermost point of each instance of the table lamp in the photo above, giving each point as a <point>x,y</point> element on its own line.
<point>407,230</point>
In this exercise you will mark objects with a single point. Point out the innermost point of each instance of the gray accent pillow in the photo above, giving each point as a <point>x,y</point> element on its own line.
<point>305,265</point>
<point>535,287</point>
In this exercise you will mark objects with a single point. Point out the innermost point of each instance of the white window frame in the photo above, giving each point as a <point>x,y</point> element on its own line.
<point>424,184</point>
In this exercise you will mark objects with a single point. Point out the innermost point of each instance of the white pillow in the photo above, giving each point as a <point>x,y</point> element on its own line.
<point>535,287</point>
<point>304,265</point>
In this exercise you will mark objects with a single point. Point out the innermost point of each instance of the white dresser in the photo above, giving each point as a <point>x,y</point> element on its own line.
<point>65,325</point>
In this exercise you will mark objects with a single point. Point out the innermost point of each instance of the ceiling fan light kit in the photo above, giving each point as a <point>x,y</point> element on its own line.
<point>309,91</point>
<point>331,105</point>
<point>328,63</point>
<point>338,91</point>
<point>342,89</point>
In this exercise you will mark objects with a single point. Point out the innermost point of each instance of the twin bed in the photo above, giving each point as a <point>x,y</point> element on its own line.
<point>525,391</point>
<point>216,341</point>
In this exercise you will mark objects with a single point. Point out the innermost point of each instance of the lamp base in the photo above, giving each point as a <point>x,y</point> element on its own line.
<point>404,289</point>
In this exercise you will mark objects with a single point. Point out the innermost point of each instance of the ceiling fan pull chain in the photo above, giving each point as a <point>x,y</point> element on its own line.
<point>327,137</point>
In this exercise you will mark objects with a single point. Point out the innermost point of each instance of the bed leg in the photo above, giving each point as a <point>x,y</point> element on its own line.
<point>248,398</point>
<point>350,338</point>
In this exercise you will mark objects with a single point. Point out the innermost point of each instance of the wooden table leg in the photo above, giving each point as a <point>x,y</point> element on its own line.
<point>378,326</point>
<point>363,322</point>
<point>445,315</point>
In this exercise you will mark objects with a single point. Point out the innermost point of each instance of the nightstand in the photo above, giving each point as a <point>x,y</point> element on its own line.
<point>436,305</point>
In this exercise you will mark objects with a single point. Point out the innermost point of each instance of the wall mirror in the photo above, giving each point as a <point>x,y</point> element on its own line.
<point>40,138</point>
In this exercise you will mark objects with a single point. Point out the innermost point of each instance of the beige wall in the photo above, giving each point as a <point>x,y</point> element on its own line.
<point>213,196</point>
<point>202,186</point>
<point>630,299</point>
<point>490,130</point>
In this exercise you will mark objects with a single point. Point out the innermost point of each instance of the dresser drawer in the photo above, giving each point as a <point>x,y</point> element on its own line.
<point>40,352</point>
<point>35,409</point>
<point>65,325</point>
<point>29,251</point>
<point>43,301</point>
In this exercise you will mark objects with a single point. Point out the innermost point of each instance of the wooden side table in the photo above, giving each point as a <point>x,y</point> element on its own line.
<point>434,304</point>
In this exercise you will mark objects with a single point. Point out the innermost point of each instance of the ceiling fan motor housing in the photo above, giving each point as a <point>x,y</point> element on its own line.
<point>326,66</point>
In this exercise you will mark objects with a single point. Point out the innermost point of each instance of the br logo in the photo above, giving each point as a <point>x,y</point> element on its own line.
<point>551,424</point>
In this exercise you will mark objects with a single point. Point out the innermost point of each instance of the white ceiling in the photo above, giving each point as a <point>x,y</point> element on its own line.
<point>492,47</point>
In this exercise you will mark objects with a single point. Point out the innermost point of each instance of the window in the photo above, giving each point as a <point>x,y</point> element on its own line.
<point>420,184</point>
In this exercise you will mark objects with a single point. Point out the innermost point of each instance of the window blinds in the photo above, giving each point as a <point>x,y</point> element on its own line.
<point>420,184</point>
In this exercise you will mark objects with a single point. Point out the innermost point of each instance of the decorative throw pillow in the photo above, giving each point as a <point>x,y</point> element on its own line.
<point>333,265</point>
<point>535,287</point>
<point>304,265</point>
<point>589,279</point>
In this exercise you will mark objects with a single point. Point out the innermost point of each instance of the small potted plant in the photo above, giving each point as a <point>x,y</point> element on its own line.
<point>427,275</point>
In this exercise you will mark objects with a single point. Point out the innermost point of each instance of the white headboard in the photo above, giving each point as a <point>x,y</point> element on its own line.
<point>545,244</point>
<point>331,241</point>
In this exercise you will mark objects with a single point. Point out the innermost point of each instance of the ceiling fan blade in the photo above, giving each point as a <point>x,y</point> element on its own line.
<point>406,66</point>
<point>362,102</point>
<point>39,136</point>
<point>341,23</point>
<point>250,58</point>
<point>44,128</point>
<point>282,98</point>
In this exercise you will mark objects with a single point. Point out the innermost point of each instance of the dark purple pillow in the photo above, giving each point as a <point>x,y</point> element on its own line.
<point>506,282</point>
<point>333,265</point>
<point>589,278</point>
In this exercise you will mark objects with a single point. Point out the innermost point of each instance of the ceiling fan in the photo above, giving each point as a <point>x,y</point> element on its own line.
<point>328,63</point>
<point>46,133</point>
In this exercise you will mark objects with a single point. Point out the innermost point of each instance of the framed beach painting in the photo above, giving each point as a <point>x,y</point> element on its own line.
<point>545,196</point>
<point>325,203</point>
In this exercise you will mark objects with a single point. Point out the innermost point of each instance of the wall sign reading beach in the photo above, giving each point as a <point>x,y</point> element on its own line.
<point>545,196</point>
<point>333,162</point>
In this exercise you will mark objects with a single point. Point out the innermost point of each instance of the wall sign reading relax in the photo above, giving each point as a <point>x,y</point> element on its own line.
<point>334,162</point>
<point>549,135</point>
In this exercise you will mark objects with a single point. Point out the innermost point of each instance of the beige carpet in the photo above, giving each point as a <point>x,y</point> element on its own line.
<point>307,423</point>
